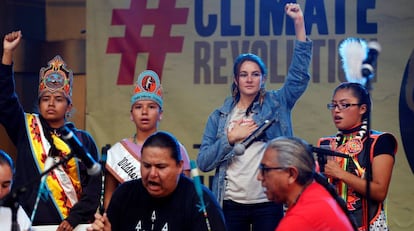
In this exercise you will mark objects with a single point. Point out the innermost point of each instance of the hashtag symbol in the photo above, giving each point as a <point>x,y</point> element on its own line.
<point>157,46</point>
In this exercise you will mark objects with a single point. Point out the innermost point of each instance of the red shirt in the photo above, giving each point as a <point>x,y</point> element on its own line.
<point>315,209</point>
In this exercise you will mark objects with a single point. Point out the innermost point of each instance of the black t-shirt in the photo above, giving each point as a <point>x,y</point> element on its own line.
<point>132,208</point>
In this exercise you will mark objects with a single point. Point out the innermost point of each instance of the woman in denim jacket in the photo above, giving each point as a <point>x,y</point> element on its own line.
<point>234,184</point>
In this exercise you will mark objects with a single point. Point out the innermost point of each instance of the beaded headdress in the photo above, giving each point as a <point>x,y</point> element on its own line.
<point>56,77</point>
<point>148,87</point>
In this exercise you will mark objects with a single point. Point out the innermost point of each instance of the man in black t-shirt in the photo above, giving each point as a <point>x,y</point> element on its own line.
<point>163,199</point>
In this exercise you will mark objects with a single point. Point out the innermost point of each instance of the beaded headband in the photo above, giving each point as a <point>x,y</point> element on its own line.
<point>56,77</point>
<point>148,87</point>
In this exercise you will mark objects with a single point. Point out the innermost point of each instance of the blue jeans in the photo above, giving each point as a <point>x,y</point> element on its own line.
<point>255,217</point>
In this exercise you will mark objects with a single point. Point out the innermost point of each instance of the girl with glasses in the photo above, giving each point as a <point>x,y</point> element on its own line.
<point>350,109</point>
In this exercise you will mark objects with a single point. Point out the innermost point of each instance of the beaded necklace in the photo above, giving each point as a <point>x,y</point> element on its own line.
<point>351,145</point>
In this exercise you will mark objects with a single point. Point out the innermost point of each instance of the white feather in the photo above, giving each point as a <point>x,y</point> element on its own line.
<point>353,52</point>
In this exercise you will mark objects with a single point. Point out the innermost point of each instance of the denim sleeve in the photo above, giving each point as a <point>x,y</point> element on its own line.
<point>298,74</point>
<point>215,147</point>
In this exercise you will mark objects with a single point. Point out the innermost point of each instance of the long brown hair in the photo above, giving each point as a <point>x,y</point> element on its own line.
<point>236,68</point>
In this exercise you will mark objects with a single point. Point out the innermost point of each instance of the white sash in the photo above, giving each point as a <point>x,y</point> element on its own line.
<point>62,177</point>
<point>123,161</point>
<point>64,180</point>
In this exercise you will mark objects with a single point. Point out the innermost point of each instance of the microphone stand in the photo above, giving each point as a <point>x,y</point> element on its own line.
<point>368,156</point>
<point>104,154</point>
<point>13,196</point>
<point>14,208</point>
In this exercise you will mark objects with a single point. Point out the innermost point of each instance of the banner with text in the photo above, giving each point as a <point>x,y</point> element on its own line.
<point>192,44</point>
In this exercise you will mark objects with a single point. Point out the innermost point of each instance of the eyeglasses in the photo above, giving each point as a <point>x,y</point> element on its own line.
<point>341,106</point>
<point>263,169</point>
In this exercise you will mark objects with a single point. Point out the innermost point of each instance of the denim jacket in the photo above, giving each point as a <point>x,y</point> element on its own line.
<point>216,152</point>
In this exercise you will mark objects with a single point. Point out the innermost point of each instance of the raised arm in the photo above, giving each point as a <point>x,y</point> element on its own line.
<point>295,13</point>
<point>10,43</point>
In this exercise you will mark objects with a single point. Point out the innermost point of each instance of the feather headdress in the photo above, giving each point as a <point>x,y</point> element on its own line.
<point>353,52</point>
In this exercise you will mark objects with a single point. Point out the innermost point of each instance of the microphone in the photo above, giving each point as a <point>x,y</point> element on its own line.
<point>328,152</point>
<point>322,153</point>
<point>368,65</point>
<point>241,147</point>
<point>80,151</point>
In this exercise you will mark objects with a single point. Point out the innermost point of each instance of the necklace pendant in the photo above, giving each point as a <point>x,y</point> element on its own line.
<point>354,146</point>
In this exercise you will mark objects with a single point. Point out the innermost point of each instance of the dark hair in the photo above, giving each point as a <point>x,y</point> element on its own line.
<point>236,68</point>
<point>163,139</point>
<point>293,151</point>
<point>360,92</point>
<point>6,159</point>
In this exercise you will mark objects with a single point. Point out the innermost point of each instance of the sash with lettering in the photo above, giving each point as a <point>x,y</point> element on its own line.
<point>63,183</point>
<point>123,161</point>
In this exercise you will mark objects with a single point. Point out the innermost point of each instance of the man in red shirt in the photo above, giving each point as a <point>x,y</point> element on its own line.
<point>287,172</point>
